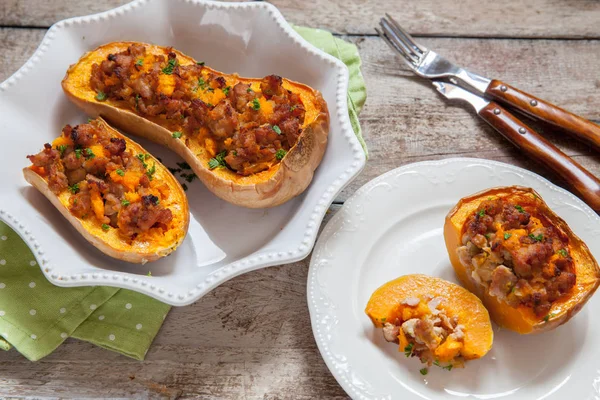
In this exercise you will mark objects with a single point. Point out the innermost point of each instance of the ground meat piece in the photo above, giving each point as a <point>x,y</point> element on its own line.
<point>390,332</point>
<point>83,135</point>
<point>112,204</point>
<point>271,86</point>
<point>145,181</point>
<point>425,333</point>
<point>116,146</point>
<point>76,175</point>
<point>240,95</point>
<point>514,217</point>
<point>526,258</point>
<point>71,160</point>
<point>479,240</point>
<point>137,50</point>
<point>94,182</point>
<point>45,157</point>
<point>57,180</point>
<point>96,165</point>
<point>81,204</point>
<point>223,120</point>
<point>291,129</point>
<point>565,281</point>
<point>141,216</point>
<point>491,207</point>
<point>502,282</point>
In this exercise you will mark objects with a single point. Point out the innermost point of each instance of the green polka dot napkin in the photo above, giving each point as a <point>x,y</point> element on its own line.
<point>36,317</point>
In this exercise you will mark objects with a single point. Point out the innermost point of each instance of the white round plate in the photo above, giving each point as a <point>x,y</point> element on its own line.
<point>392,226</point>
<point>223,241</point>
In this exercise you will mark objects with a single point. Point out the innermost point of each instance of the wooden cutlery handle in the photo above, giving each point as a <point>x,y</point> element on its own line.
<point>574,124</point>
<point>538,148</point>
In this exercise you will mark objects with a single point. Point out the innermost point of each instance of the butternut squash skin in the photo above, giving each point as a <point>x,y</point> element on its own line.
<point>269,188</point>
<point>385,305</point>
<point>147,248</point>
<point>522,319</point>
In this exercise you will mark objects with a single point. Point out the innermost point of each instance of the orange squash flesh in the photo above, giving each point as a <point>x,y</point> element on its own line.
<point>385,306</point>
<point>267,188</point>
<point>522,319</point>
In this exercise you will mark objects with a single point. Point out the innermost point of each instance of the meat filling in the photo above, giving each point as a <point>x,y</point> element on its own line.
<point>106,180</point>
<point>425,330</point>
<point>246,128</point>
<point>516,253</point>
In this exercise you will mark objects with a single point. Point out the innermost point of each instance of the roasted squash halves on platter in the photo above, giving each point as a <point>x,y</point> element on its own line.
<point>118,197</point>
<point>253,142</point>
<point>524,262</point>
<point>433,319</point>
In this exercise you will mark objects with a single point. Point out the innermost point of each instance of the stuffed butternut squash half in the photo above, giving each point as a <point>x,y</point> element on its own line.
<point>252,142</point>
<point>117,196</point>
<point>433,319</point>
<point>524,262</point>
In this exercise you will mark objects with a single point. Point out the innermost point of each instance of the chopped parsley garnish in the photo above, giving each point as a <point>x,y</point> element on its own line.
<point>74,188</point>
<point>125,202</point>
<point>200,63</point>
<point>448,367</point>
<point>507,235</point>
<point>255,104</point>
<point>184,186</point>
<point>292,108</point>
<point>120,172</point>
<point>487,236</point>
<point>423,371</point>
<point>105,227</point>
<point>201,83</point>
<point>168,70</point>
<point>226,90</point>
<point>481,213</point>
<point>408,350</point>
<point>139,62</point>
<point>547,317</point>
<point>176,134</point>
<point>78,153</point>
<point>210,90</point>
<point>249,90</point>
<point>149,273</point>
<point>519,209</point>
<point>235,153</point>
<point>537,238</point>
<point>89,153</point>
<point>563,252</point>
<point>280,154</point>
<point>137,99</point>
<point>62,148</point>
<point>276,129</point>
<point>218,160</point>
<point>101,96</point>
<point>184,165</point>
<point>151,172</point>
<point>142,158</point>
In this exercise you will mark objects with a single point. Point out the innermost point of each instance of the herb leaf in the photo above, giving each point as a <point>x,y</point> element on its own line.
<point>200,63</point>
<point>563,252</point>
<point>537,238</point>
<point>184,165</point>
<point>507,235</point>
<point>89,153</point>
<point>276,129</point>
<point>151,171</point>
<point>139,62</point>
<point>218,160</point>
<point>101,96</point>
<point>226,90</point>
<point>78,153</point>
<point>408,350</point>
<point>255,104</point>
<point>74,188</point>
<point>280,154</point>
<point>168,70</point>
<point>125,202</point>
<point>481,213</point>
<point>519,209</point>
<point>105,227</point>
<point>176,134</point>
<point>423,371</point>
<point>62,148</point>
<point>120,172</point>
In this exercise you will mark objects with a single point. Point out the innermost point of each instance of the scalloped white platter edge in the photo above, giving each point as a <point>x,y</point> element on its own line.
<point>393,226</point>
<point>223,240</point>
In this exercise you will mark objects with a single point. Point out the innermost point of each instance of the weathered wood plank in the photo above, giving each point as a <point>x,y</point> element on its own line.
<point>473,18</point>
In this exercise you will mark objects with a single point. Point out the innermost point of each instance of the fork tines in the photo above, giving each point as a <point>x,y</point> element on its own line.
<point>401,41</point>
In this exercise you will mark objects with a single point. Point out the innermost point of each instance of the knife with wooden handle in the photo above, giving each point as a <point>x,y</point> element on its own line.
<point>579,127</point>
<point>586,185</point>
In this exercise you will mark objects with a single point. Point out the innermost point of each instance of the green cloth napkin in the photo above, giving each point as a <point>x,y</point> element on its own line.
<point>36,316</point>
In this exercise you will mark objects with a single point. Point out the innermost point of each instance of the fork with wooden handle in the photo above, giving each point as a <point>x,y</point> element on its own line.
<point>473,87</point>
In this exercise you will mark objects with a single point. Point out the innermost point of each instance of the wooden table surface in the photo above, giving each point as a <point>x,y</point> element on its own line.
<point>251,337</point>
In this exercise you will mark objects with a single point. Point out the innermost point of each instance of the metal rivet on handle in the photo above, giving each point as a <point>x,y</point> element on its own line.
<point>496,111</point>
<point>533,103</point>
<point>503,88</point>
<point>522,131</point>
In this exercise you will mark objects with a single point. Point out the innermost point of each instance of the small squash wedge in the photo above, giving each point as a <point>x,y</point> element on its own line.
<point>452,323</point>
<point>524,262</point>
<point>253,142</point>
<point>117,196</point>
